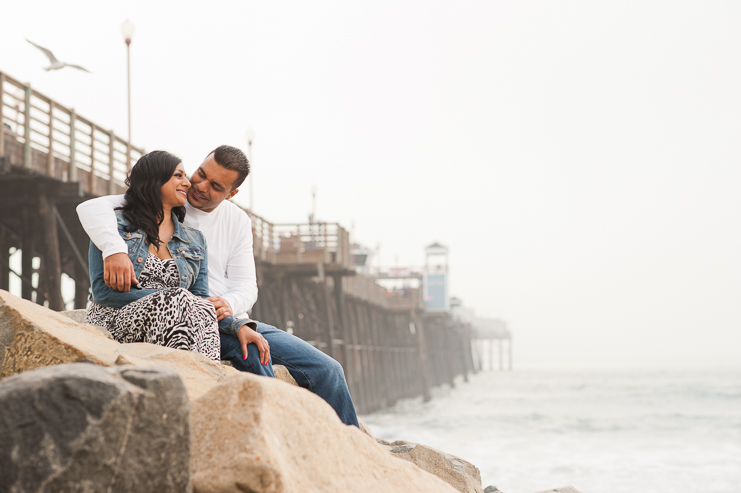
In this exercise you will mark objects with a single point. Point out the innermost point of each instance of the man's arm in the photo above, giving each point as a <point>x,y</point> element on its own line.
<point>241,276</point>
<point>103,294</point>
<point>98,219</point>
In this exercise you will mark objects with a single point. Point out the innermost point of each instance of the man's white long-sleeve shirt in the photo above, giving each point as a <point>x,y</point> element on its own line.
<point>228,232</point>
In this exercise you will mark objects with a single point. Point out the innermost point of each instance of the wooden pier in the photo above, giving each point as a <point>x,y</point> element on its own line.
<point>52,159</point>
<point>490,335</point>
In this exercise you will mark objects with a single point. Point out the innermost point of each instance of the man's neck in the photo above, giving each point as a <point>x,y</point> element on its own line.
<point>201,210</point>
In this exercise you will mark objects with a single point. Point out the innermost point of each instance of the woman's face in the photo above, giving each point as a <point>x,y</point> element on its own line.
<point>175,190</point>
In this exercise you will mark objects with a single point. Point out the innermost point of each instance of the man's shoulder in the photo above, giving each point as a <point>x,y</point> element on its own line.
<point>233,212</point>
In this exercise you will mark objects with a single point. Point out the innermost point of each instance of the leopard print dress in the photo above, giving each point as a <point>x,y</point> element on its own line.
<point>172,317</point>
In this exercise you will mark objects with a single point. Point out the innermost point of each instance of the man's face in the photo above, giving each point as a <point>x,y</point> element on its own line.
<point>211,185</point>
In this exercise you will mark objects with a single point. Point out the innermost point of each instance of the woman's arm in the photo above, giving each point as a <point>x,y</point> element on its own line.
<point>200,285</point>
<point>101,293</point>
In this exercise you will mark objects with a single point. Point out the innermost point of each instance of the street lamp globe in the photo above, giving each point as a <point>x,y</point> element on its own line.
<point>127,29</point>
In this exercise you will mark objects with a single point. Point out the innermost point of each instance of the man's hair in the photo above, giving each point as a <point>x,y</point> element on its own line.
<point>233,159</point>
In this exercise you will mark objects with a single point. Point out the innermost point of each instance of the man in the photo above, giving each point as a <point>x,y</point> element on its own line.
<point>249,345</point>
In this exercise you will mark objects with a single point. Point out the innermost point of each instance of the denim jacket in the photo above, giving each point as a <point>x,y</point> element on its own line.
<point>187,247</point>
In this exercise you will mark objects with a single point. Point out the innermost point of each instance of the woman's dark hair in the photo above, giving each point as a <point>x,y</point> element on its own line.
<point>143,208</point>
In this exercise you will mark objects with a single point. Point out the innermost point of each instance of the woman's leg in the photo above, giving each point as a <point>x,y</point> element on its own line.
<point>173,317</point>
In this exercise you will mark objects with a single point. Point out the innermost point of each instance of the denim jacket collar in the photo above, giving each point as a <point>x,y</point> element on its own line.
<point>178,233</point>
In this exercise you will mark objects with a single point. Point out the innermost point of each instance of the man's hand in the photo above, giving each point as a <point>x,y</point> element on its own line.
<point>118,272</point>
<point>223,308</point>
<point>246,336</point>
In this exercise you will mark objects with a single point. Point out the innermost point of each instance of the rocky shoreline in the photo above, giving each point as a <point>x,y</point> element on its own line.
<point>81,412</point>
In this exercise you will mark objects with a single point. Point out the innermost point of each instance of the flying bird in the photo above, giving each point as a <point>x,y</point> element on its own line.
<point>54,63</point>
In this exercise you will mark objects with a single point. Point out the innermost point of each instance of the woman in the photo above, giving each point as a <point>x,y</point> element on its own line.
<point>166,307</point>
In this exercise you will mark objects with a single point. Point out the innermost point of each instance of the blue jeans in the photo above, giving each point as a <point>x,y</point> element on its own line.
<point>231,351</point>
<point>311,368</point>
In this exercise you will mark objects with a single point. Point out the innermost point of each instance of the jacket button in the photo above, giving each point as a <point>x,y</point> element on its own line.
<point>139,259</point>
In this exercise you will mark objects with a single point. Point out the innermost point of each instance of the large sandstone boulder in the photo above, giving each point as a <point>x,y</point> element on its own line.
<point>84,428</point>
<point>79,317</point>
<point>261,435</point>
<point>281,372</point>
<point>32,337</point>
<point>462,475</point>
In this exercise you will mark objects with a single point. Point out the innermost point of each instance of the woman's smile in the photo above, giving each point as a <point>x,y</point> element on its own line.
<point>175,190</point>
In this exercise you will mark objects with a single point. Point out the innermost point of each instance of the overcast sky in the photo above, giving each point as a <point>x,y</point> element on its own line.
<point>579,159</point>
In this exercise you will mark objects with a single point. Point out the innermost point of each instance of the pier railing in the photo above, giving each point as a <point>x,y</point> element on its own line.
<point>262,235</point>
<point>44,136</point>
<point>311,243</point>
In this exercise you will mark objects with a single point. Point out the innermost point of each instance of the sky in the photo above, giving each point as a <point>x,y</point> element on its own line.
<point>579,159</point>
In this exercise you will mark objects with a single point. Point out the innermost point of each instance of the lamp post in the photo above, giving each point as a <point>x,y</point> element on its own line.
<point>127,29</point>
<point>250,137</point>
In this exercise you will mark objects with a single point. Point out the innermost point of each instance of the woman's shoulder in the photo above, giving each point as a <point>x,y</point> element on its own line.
<point>193,234</point>
<point>120,218</point>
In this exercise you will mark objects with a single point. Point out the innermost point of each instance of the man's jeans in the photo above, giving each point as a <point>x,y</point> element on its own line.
<point>311,368</point>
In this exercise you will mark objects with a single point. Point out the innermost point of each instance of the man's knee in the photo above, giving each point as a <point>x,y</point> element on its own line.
<point>253,359</point>
<point>231,350</point>
<point>333,370</point>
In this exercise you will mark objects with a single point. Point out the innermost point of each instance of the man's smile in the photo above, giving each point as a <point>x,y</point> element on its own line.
<point>197,195</point>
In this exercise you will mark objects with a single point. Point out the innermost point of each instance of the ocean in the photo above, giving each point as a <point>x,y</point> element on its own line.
<point>599,431</point>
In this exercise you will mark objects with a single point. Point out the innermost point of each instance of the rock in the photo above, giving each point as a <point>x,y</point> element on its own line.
<point>32,337</point>
<point>76,315</point>
<point>79,317</point>
<point>563,489</point>
<point>261,435</point>
<point>460,474</point>
<point>84,428</point>
<point>270,436</point>
<point>281,373</point>
<point>364,428</point>
<point>492,489</point>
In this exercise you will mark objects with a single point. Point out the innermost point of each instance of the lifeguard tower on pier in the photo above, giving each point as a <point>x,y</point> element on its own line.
<point>436,278</point>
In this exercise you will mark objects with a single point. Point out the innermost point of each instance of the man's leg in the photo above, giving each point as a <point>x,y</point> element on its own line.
<point>231,350</point>
<point>312,369</point>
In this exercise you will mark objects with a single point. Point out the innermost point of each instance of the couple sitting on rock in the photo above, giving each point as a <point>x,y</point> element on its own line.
<point>155,280</point>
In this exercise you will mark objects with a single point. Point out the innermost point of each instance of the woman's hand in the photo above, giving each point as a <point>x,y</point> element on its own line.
<point>246,336</point>
<point>223,308</point>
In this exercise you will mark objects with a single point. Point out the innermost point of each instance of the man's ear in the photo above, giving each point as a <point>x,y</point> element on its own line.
<point>232,194</point>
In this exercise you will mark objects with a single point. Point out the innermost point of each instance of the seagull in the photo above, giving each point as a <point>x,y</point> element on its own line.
<point>55,64</point>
